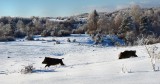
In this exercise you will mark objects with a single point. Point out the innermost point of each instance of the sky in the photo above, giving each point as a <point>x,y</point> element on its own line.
<point>56,8</point>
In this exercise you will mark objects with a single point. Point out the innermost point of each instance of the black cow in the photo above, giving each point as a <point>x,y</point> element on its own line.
<point>127,54</point>
<point>52,61</point>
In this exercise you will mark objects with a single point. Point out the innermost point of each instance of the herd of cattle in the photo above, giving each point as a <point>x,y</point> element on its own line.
<point>54,61</point>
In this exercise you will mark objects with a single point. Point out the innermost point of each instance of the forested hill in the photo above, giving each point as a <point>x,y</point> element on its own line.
<point>125,23</point>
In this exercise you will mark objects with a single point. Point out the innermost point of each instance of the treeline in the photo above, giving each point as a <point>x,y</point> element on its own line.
<point>130,24</point>
<point>134,25</point>
<point>18,27</point>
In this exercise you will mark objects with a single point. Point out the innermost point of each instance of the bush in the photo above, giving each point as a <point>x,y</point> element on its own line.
<point>45,33</point>
<point>78,31</point>
<point>63,33</point>
<point>19,34</point>
<point>10,38</point>
<point>130,37</point>
<point>30,37</point>
<point>57,42</point>
<point>151,39</point>
<point>27,69</point>
<point>53,39</point>
<point>68,40</point>
<point>7,38</point>
<point>98,38</point>
<point>74,40</point>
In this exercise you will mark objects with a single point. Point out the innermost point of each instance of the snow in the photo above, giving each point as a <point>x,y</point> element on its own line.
<point>58,20</point>
<point>85,63</point>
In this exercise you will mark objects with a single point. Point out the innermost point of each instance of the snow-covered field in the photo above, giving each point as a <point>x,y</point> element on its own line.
<point>85,64</point>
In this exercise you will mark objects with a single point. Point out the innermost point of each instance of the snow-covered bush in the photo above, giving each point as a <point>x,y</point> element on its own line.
<point>109,40</point>
<point>19,34</point>
<point>74,40</point>
<point>53,39</point>
<point>45,33</point>
<point>98,38</point>
<point>27,69</point>
<point>153,53</point>
<point>124,69</point>
<point>151,39</point>
<point>6,38</point>
<point>130,38</point>
<point>140,41</point>
<point>29,37</point>
<point>80,30</point>
<point>63,33</point>
<point>68,40</point>
<point>57,42</point>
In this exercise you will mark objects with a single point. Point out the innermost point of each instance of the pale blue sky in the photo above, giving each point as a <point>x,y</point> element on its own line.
<point>25,8</point>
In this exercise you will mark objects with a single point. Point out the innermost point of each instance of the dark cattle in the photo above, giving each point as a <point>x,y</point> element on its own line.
<point>52,61</point>
<point>127,54</point>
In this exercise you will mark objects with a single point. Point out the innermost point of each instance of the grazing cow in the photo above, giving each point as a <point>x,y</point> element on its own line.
<point>127,54</point>
<point>52,61</point>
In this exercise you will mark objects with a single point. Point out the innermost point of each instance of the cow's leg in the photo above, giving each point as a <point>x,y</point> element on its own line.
<point>62,63</point>
<point>56,66</point>
<point>47,65</point>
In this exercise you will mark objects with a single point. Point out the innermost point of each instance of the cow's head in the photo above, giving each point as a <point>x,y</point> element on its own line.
<point>134,53</point>
<point>45,60</point>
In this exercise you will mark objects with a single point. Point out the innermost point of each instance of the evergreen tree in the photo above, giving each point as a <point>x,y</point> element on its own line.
<point>126,25</point>
<point>127,30</point>
<point>145,26</point>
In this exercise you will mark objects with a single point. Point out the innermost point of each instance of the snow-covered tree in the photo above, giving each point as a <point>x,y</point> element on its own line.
<point>8,31</point>
<point>92,22</point>
<point>118,20</point>
<point>126,25</point>
<point>127,30</point>
<point>145,26</point>
<point>20,25</point>
<point>20,29</point>
<point>156,21</point>
<point>104,25</point>
<point>136,12</point>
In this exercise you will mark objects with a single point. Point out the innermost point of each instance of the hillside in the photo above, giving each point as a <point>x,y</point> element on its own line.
<point>143,20</point>
<point>85,63</point>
